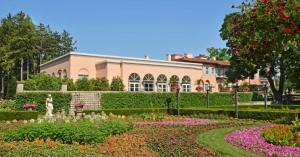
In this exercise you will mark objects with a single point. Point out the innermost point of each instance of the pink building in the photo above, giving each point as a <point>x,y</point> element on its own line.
<point>142,74</point>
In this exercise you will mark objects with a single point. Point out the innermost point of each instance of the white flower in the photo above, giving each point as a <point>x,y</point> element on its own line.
<point>14,121</point>
<point>25,121</point>
<point>31,120</point>
<point>8,122</point>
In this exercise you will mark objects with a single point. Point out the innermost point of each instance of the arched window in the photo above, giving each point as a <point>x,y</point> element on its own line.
<point>162,83</point>
<point>174,79</point>
<point>83,73</point>
<point>148,82</point>
<point>134,82</point>
<point>186,84</point>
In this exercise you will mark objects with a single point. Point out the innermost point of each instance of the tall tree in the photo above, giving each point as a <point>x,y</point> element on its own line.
<point>220,53</point>
<point>264,35</point>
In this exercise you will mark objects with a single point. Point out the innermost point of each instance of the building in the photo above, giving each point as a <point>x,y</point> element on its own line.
<point>143,74</point>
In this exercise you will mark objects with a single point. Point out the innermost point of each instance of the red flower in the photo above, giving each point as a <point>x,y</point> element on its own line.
<point>283,16</point>
<point>253,10</point>
<point>254,17</point>
<point>287,30</point>
<point>265,1</point>
<point>298,8</point>
<point>254,45</point>
<point>292,24</point>
<point>266,11</point>
<point>281,5</point>
<point>297,30</point>
<point>266,44</point>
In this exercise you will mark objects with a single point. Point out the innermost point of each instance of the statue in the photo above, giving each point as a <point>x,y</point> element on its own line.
<point>49,106</point>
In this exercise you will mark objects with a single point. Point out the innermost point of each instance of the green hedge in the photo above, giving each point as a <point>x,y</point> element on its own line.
<point>18,115</point>
<point>160,100</point>
<point>132,111</point>
<point>60,100</point>
<point>247,114</point>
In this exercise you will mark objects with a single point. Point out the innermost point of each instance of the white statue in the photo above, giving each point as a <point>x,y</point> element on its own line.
<point>49,106</point>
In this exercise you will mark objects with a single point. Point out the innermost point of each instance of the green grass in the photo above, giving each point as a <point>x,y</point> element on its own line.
<point>215,140</point>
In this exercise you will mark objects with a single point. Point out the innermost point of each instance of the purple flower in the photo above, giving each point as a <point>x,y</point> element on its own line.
<point>250,139</point>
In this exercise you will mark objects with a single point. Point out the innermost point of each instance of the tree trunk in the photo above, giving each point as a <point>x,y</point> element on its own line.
<point>2,86</point>
<point>21,68</point>
<point>28,70</point>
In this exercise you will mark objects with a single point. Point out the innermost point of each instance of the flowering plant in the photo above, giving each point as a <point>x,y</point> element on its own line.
<point>29,106</point>
<point>79,105</point>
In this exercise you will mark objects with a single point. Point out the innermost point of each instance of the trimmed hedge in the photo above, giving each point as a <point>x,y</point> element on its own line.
<point>134,111</point>
<point>60,100</point>
<point>247,114</point>
<point>161,100</point>
<point>18,115</point>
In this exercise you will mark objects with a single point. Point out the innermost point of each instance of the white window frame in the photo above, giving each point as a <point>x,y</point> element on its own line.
<point>186,87</point>
<point>162,87</point>
<point>207,70</point>
<point>147,86</point>
<point>135,88</point>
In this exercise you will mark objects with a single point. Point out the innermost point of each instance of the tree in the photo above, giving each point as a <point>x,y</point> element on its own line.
<point>117,84</point>
<point>24,46</point>
<point>264,35</point>
<point>220,53</point>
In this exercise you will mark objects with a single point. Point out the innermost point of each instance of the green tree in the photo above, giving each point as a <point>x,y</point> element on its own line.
<point>100,84</point>
<point>220,53</point>
<point>264,36</point>
<point>117,84</point>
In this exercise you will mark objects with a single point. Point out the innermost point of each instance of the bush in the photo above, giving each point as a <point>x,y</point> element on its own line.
<point>162,100</point>
<point>18,115</point>
<point>84,84</point>
<point>247,114</point>
<point>281,135</point>
<point>8,104</point>
<point>257,97</point>
<point>132,111</point>
<point>117,84</point>
<point>100,84</point>
<point>70,84</point>
<point>43,81</point>
<point>60,101</point>
<point>83,132</point>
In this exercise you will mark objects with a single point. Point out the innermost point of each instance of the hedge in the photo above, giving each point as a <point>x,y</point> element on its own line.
<point>134,111</point>
<point>161,100</point>
<point>247,114</point>
<point>18,115</point>
<point>60,100</point>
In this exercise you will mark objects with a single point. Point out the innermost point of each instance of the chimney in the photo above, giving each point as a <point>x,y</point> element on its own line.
<point>176,56</point>
<point>188,55</point>
<point>146,57</point>
<point>168,57</point>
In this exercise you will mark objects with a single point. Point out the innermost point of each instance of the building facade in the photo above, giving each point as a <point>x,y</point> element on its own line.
<point>143,74</point>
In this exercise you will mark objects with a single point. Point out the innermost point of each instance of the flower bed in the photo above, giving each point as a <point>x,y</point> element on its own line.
<point>282,135</point>
<point>182,121</point>
<point>251,140</point>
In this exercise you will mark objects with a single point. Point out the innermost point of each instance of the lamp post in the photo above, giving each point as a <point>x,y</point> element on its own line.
<point>207,95</point>
<point>236,100</point>
<point>177,94</point>
<point>266,95</point>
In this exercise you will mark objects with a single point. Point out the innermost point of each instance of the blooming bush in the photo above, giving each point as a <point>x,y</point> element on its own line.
<point>251,140</point>
<point>29,106</point>
<point>281,135</point>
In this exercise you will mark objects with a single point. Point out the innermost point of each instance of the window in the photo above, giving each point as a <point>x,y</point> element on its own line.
<point>186,84</point>
<point>148,82</point>
<point>218,72</point>
<point>162,83</point>
<point>212,71</point>
<point>81,76</point>
<point>134,82</point>
<point>83,73</point>
<point>206,70</point>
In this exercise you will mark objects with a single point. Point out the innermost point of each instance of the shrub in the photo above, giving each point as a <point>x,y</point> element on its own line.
<point>42,81</point>
<point>70,84</point>
<point>60,100</point>
<point>84,84</point>
<point>162,100</point>
<point>8,104</point>
<point>132,111</point>
<point>117,84</point>
<point>247,114</point>
<point>281,135</point>
<point>18,115</point>
<point>100,84</point>
<point>83,132</point>
<point>257,97</point>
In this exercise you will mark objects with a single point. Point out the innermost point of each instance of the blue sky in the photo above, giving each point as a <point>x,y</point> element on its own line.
<point>131,27</point>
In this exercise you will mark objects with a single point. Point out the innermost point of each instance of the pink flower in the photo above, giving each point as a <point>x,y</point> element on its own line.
<point>287,30</point>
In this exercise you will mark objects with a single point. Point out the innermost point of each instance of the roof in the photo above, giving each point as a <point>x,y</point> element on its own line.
<point>123,59</point>
<point>203,61</point>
